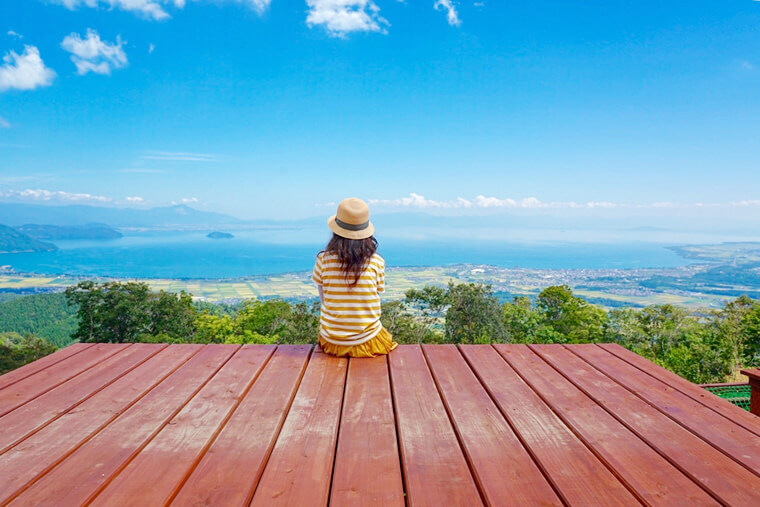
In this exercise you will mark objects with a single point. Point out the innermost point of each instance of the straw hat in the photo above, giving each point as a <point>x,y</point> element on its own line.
<point>352,220</point>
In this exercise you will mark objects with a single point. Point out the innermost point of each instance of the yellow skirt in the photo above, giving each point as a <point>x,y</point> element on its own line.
<point>381,344</point>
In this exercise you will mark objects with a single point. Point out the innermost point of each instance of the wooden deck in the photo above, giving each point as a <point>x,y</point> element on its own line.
<point>149,424</point>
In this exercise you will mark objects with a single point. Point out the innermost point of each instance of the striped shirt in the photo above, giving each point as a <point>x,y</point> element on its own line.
<point>349,316</point>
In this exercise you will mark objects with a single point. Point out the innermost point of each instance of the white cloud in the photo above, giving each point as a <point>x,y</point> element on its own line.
<point>26,71</point>
<point>189,200</point>
<point>152,9</point>
<point>179,156</point>
<point>135,199</point>
<point>4,124</point>
<point>15,34</point>
<point>93,54</point>
<point>452,16</point>
<point>340,17</point>
<point>151,48</point>
<point>483,202</point>
<point>747,65</point>
<point>52,195</point>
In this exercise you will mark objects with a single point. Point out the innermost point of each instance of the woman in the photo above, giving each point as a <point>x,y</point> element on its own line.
<point>350,276</point>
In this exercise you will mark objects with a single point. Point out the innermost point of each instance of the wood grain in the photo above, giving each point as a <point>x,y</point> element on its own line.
<point>435,469</point>
<point>503,469</point>
<point>79,477</point>
<point>367,463</point>
<point>576,473</point>
<point>651,477</point>
<point>300,468</point>
<point>43,381</point>
<point>29,369</point>
<point>152,477</point>
<point>725,479</point>
<point>230,469</point>
<point>721,432</point>
<point>44,409</point>
<point>32,457</point>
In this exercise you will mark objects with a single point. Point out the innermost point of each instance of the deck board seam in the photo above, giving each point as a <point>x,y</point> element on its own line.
<point>178,487</point>
<point>276,436</point>
<point>153,435</point>
<point>749,428</point>
<point>75,405</point>
<point>337,433</point>
<point>633,430</point>
<point>659,409</point>
<point>89,345</point>
<point>50,388</point>
<point>462,447</point>
<point>92,435</point>
<point>398,435</point>
<point>572,429</point>
<point>530,452</point>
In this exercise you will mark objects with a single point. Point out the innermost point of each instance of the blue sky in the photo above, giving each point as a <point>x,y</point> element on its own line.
<point>281,108</point>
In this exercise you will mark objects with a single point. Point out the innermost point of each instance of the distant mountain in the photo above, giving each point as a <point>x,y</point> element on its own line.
<point>167,217</point>
<point>89,231</point>
<point>13,241</point>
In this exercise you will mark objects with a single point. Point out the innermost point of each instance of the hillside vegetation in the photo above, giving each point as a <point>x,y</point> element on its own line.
<point>14,241</point>
<point>703,347</point>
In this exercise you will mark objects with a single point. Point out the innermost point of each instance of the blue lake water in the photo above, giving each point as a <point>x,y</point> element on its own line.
<point>192,255</point>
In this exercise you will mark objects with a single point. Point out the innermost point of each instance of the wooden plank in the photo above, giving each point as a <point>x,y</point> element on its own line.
<point>576,473</point>
<point>720,432</point>
<point>300,468</point>
<point>367,463</point>
<point>29,388</point>
<point>725,479</point>
<point>154,475</point>
<point>230,469</point>
<point>435,470</point>
<point>81,474</point>
<point>503,469</point>
<point>650,476</point>
<point>34,456</point>
<point>703,396</point>
<point>29,369</point>
<point>44,409</point>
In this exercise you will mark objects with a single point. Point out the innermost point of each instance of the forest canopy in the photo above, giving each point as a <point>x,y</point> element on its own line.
<point>704,347</point>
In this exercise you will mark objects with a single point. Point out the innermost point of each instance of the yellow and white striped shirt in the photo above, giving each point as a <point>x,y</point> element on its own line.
<point>349,315</point>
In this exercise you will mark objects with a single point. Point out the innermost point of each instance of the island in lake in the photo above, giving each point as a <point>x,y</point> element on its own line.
<point>219,235</point>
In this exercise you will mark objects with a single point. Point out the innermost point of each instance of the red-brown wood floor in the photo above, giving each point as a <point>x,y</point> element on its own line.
<point>150,424</point>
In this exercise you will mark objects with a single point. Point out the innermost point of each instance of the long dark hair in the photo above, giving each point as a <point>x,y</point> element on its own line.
<point>353,255</point>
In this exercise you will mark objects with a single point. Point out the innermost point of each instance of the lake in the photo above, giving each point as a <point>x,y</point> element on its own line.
<point>192,255</point>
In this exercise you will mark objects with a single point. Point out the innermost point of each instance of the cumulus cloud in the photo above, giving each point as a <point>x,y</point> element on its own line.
<point>15,34</point>
<point>452,16</point>
<point>92,54</point>
<point>189,200</point>
<point>52,195</point>
<point>340,17</point>
<point>135,199</point>
<point>4,124</point>
<point>26,71</point>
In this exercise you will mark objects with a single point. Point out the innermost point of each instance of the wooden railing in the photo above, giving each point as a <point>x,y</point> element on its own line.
<point>754,384</point>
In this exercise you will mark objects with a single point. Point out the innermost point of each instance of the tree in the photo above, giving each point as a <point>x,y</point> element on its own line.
<point>262,319</point>
<point>17,350</point>
<point>474,314</point>
<point>303,324</point>
<point>571,319</point>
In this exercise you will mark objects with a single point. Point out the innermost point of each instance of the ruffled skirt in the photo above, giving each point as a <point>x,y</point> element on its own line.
<point>381,344</point>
